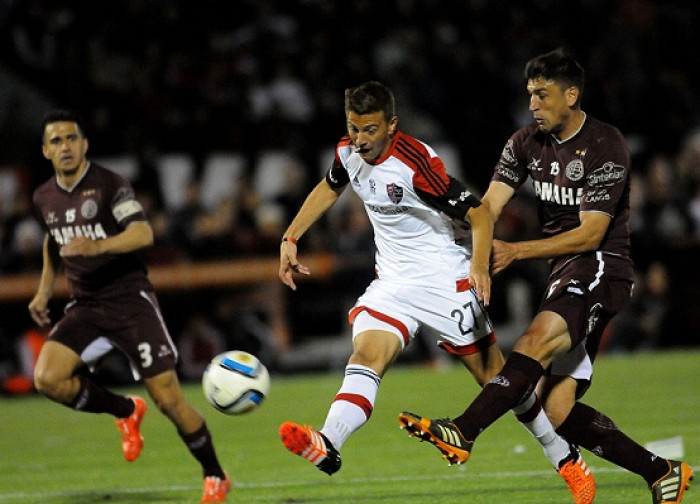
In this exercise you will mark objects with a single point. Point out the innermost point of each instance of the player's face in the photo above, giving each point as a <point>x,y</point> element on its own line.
<point>551,105</point>
<point>65,146</point>
<point>371,134</point>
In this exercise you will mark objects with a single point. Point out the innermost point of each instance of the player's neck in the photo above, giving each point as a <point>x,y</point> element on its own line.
<point>69,178</point>
<point>573,126</point>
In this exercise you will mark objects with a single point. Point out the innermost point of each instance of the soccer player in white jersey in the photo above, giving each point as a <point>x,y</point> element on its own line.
<point>424,280</point>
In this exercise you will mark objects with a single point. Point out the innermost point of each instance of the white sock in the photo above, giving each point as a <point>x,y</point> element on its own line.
<point>555,447</point>
<point>353,404</point>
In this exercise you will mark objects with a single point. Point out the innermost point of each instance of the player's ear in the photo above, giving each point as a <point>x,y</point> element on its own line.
<point>572,95</point>
<point>393,124</point>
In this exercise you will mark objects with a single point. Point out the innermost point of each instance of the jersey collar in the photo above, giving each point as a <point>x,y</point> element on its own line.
<point>389,151</point>
<point>70,189</point>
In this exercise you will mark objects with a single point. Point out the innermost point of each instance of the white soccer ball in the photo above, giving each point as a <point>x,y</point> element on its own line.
<point>235,382</point>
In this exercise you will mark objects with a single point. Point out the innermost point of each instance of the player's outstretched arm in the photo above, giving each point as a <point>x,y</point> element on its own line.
<point>320,199</point>
<point>482,235</point>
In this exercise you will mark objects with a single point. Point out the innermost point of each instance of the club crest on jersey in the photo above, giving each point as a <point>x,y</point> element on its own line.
<point>574,170</point>
<point>88,209</point>
<point>395,193</point>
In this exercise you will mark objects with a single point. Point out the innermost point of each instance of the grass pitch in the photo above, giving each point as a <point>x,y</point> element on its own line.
<point>50,454</point>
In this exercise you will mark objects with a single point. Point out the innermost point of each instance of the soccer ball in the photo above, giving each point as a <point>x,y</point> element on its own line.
<point>235,382</point>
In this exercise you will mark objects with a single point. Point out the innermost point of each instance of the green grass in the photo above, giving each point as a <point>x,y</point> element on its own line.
<point>50,454</point>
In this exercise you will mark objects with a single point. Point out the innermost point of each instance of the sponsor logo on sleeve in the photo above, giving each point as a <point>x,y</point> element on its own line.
<point>607,175</point>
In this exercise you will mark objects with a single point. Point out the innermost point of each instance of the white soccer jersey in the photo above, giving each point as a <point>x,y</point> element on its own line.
<point>415,240</point>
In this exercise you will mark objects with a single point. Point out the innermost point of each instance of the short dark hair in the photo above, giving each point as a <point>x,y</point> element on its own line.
<point>559,66</point>
<point>61,115</point>
<point>370,97</point>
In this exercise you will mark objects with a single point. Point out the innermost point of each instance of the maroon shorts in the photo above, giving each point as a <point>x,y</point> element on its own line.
<point>587,292</point>
<point>132,324</point>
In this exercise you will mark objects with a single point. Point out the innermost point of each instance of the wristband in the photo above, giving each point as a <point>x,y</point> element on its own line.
<point>290,239</point>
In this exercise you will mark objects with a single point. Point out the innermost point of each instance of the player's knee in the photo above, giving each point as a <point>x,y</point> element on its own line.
<point>48,382</point>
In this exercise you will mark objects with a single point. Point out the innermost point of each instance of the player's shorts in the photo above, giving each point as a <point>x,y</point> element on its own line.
<point>132,324</point>
<point>458,318</point>
<point>587,292</point>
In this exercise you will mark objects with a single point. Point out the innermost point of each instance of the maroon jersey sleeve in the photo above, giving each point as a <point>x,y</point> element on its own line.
<point>608,172</point>
<point>511,168</point>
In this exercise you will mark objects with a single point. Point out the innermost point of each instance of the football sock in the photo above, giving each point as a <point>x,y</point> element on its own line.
<point>534,419</point>
<point>92,398</point>
<point>201,447</point>
<point>353,404</point>
<point>515,382</point>
<point>587,427</point>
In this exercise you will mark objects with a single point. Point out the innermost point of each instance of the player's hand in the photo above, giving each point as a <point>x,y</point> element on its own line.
<point>290,265</point>
<point>38,309</point>
<point>480,281</point>
<point>80,246</point>
<point>503,254</point>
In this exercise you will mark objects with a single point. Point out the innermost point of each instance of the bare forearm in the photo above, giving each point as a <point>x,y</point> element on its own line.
<point>320,199</point>
<point>137,236</point>
<point>482,236</point>
<point>574,241</point>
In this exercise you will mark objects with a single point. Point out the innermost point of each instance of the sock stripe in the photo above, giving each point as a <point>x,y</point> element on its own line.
<point>358,400</point>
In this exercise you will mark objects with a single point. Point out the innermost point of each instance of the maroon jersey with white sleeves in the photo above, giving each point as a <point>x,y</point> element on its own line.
<point>101,204</point>
<point>588,172</point>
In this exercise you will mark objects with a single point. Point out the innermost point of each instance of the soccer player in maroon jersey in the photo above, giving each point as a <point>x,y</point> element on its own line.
<point>579,167</point>
<point>95,228</point>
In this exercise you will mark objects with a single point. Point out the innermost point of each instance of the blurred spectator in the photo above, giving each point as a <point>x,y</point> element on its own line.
<point>642,324</point>
<point>199,342</point>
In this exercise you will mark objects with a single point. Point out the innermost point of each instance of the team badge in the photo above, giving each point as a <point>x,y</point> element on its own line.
<point>574,170</point>
<point>88,209</point>
<point>395,193</point>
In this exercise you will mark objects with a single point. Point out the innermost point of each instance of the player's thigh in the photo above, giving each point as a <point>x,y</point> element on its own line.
<point>375,348</point>
<point>546,337</point>
<point>141,333</point>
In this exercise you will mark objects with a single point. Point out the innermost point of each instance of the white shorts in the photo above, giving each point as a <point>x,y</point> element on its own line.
<point>575,363</point>
<point>457,318</point>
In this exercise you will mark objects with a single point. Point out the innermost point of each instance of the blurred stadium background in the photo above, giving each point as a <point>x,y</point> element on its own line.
<point>224,120</point>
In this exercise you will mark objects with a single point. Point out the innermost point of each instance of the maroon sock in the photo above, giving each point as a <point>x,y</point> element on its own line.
<point>201,447</point>
<point>95,399</point>
<point>507,389</point>
<point>594,431</point>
